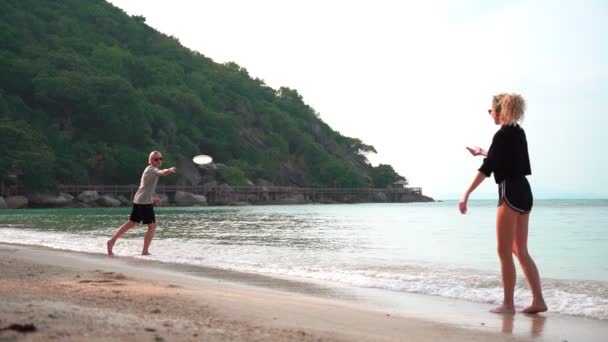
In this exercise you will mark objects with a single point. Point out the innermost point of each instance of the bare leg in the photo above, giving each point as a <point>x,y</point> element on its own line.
<point>120,232</point>
<point>506,219</point>
<point>148,238</point>
<point>520,248</point>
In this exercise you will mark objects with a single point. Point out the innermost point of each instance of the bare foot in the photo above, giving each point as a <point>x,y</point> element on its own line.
<point>110,246</point>
<point>509,310</point>
<point>145,253</point>
<point>535,308</point>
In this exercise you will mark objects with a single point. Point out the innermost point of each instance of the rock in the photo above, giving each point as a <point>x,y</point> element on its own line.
<point>211,168</point>
<point>380,197</point>
<point>48,200</point>
<point>183,198</point>
<point>17,202</point>
<point>414,197</point>
<point>293,199</point>
<point>68,197</point>
<point>123,200</point>
<point>238,204</point>
<point>188,172</point>
<point>209,185</point>
<point>88,197</point>
<point>224,188</point>
<point>107,201</point>
<point>292,172</point>
<point>262,182</point>
<point>3,203</point>
<point>78,204</point>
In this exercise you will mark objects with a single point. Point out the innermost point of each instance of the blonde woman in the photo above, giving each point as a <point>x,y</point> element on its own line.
<point>145,197</point>
<point>508,159</point>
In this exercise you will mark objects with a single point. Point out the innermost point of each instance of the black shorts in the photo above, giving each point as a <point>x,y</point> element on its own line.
<point>142,213</point>
<point>516,193</point>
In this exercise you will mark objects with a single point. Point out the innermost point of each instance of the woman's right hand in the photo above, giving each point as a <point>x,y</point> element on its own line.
<point>476,151</point>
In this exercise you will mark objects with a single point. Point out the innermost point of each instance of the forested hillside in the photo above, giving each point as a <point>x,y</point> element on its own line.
<point>86,91</point>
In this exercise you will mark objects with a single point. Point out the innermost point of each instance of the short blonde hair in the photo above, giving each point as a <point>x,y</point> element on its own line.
<point>151,156</point>
<point>510,106</point>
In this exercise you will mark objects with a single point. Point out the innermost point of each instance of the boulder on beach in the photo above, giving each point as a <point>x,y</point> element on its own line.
<point>123,200</point>
<point>88,197</point>
<point>183,198</point>
<point>291,199</point>
<point>17,202</point>
<point>107,201</point>
<point>38,200</point>
<point>380,197</point>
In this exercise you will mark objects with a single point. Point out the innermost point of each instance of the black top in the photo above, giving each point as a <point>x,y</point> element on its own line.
<point>508,155</point>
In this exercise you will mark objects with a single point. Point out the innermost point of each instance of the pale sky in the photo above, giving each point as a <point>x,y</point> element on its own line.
<point>415,78</point>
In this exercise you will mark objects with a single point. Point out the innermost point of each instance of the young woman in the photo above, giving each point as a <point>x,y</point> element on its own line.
<point>508,159</point>
<point>143,209</point>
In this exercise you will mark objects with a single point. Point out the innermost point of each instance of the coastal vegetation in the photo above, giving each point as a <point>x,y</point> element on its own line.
<point>86,91</point>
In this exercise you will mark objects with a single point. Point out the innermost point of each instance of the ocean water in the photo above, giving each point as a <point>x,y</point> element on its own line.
<point>425,248</point>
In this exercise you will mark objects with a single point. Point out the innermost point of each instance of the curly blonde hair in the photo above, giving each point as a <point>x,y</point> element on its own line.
<point>510,106</point>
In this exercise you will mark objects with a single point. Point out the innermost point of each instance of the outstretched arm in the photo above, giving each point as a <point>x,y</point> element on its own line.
<point>166,172</point>
<point>462,205</point>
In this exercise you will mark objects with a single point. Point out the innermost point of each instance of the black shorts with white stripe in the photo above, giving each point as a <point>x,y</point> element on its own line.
<point>516,193</point>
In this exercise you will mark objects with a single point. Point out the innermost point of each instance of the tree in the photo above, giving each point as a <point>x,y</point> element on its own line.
<point>25,156</point>
<point>384,176</point>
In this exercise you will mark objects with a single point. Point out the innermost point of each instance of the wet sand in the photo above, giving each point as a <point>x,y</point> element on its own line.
<point>68,295</point>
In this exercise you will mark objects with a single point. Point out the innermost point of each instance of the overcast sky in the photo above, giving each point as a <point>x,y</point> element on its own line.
<point>415,78</point>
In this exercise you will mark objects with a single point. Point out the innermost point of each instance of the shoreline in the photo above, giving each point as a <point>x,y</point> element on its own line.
<point>202,300</point>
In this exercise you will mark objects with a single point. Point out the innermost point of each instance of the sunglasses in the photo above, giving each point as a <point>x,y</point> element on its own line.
<point>158,159</point>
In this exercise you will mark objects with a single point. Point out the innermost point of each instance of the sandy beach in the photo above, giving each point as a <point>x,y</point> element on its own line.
<point>79,296</point>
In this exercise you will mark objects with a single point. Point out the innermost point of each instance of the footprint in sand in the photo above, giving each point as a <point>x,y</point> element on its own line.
<point>101,282</point>
<point>113,275</point>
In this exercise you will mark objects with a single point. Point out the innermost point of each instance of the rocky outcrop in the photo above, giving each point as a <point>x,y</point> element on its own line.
<point>293,199</point>
<point>414,197</point>
<point>183,198</point>
<point>262,182</point>
<point>88,197</point>
<point>68,197</point>
<point>292,173</point>
<point>380,197</point>
<point>49,201</point>
<point>123,200</point>
<point>16,202</point>
<point>107,201</point>
<point>189,173</point>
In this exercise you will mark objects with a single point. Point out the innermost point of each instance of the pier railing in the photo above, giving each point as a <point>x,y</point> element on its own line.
<point>206,189</point>
<point>222,193</point>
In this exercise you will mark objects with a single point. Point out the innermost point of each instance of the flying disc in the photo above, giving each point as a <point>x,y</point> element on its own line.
<point>202,159</point>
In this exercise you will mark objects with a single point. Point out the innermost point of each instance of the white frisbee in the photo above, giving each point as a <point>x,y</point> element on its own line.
<point>202,159</point>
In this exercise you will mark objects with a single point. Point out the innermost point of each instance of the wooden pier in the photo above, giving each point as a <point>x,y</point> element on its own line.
<point>260,194</point>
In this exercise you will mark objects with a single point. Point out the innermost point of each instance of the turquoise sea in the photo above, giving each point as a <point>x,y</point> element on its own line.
<point>424,248</point>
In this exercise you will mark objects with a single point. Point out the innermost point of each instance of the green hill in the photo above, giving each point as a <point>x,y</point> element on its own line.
<point>86,91</point>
